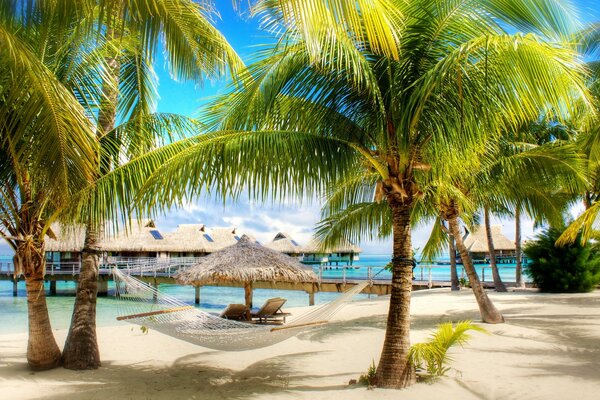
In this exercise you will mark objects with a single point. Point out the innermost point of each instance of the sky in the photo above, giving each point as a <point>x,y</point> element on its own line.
<point>265,221</point>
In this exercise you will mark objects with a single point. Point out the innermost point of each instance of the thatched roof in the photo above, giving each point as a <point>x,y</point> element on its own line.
<point>69,238</point>
<point>314,247</point>
<point>476,240</point>
<point>190,238</point>
<point>284,243</point>
<point>245,261</point>
<point>140,237</point>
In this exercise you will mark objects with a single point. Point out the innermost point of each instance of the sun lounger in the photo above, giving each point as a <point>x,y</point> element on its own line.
<point>235,311</point>
<point>270,312</point>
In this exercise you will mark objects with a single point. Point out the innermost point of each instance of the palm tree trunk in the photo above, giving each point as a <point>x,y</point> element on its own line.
<point>394,370</point>
<point>518,253</point>
<point>81,347</point>
<point>498,284</point>
<point>488,311</point>
<point>455,285</point>
<point>42,351</point>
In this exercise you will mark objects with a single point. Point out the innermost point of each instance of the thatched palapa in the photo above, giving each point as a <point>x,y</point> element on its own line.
<point>245,262</point>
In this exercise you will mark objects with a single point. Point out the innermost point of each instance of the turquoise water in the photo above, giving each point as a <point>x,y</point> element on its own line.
<point>13,311</point>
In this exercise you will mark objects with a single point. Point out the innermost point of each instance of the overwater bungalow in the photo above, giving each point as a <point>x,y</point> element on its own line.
<point>146,240</point>
<point>477,244</point>
<point>284,243</point>
<point>345,254</point>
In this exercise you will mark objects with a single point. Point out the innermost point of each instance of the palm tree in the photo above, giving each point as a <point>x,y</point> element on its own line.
<point>46,146</point>
<point>323,104</point>
<point>195,49</point>
<point>498,284</point>
<point>588,127</point>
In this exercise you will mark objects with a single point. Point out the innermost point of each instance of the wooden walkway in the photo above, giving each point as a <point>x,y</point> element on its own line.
<point>156,272</point>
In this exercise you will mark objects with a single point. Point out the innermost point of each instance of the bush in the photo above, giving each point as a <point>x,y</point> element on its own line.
<point>570,269</point>
<point>368,379</point>
<point>432,356</point>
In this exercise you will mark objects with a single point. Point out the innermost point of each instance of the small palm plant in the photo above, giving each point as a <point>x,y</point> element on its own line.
<point>432,355</point>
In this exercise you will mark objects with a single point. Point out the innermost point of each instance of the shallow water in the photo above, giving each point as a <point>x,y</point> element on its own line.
<point>13,310</point>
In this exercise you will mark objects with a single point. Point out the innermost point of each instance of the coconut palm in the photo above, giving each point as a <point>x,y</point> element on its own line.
<point>588,127</point>
<point>194,49</point>
<point>304,119</point>
<point>47,148</point>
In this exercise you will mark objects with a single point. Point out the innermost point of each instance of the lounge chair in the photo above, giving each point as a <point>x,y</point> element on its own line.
<point>270,312</point>
<point>234,311</point>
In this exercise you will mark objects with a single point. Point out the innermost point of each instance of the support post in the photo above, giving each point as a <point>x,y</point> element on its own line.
<point>248,298</point>
<point>52,288</point>
<point>102,288</point>
<point>155,293</point>
<point>197,297</point>
<point>311,298</point>
<point>15,283</point>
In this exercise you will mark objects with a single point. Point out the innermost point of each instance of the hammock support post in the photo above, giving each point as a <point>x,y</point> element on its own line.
<point>311,298</point>
<point>248,298</point>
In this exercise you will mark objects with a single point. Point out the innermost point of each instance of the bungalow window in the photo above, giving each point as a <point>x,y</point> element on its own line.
<point>207,237</point>
<point>156,235</point>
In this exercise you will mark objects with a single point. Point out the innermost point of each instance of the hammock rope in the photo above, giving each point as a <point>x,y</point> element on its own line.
<point>145,305</point>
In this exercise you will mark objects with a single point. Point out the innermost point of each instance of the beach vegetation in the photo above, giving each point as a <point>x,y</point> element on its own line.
<point>47,144</point>
<point>432,356</point>
<point>571,268</point>
<point>587,124</point>
<point>327,109</point>
<point>368,378</point>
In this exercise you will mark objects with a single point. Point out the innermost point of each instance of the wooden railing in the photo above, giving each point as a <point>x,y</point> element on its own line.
<point>168,267</point>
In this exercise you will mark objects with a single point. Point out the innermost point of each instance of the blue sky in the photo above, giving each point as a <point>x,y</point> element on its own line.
<point>265,221</point>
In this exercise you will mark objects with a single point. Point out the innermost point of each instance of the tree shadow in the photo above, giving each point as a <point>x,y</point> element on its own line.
<point>188,377</point>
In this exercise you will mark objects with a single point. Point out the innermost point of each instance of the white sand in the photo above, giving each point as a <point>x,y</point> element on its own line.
<point>548,349</point>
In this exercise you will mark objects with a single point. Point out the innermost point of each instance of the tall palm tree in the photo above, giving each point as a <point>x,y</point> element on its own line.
<point>323,104</point>
<point>46,146</point>
<point>195,49</point>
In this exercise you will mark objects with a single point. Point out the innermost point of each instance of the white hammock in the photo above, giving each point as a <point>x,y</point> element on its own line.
<point>145,305</point>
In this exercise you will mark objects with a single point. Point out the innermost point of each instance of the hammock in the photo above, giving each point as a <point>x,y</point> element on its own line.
<point>146,306</point>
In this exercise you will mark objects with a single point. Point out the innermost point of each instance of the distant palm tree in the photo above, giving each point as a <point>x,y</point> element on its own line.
<point>323,106</point>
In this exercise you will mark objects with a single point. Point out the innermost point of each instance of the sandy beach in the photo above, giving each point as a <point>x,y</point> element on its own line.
<point>549,348</point>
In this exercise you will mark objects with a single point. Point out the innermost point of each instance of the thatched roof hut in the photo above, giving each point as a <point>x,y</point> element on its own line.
<point>190,238</point>
<point>68,239</point>
<point>476,240</point>
<point>245,262</point>
<point>142,236</point>
<point>284,243</point>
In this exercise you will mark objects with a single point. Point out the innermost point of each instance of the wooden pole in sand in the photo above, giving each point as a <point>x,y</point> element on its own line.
<point>248,298</point>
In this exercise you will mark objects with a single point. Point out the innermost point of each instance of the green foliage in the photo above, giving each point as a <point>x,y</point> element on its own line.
<point>573,268</point>
<point>432,355</point>
<point>464,282</point>
<point>368,379</point>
